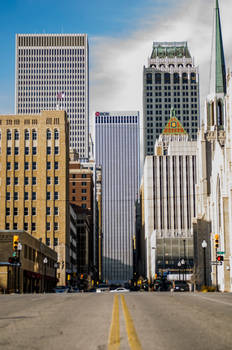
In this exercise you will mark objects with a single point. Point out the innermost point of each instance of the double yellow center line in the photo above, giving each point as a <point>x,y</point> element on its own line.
<point>114,337</point>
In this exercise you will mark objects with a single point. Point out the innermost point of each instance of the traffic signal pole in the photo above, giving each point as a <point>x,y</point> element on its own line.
<point>216,270</point>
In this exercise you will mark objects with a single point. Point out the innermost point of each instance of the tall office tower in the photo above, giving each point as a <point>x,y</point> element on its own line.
<point>117,151</point>
<point>52,72</point>
<point>34,180</point>
<point>171,80</point>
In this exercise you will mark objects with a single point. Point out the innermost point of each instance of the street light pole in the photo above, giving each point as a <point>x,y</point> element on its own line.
<point>45,261</point>
<point>179,265</point>
<point>204,246</point>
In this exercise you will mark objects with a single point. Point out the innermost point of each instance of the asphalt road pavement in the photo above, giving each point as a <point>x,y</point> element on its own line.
<point>110,321</point>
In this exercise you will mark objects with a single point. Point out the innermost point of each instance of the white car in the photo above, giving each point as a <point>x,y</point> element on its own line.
<point>120,290</point>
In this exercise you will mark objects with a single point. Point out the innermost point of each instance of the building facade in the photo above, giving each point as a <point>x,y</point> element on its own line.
<point>34,179</point>
<point>117,152</point>
<point>171,80</point>
<point>214,188</point>
<point>52,72</point>
<point>169,204</point>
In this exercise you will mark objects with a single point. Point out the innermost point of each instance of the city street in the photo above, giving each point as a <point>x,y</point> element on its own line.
<point>90,321</point>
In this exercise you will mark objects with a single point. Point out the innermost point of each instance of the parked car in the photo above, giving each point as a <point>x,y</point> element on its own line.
<point>74,290</point>
<point>120,290</point>
<point>180,286</point>
<point>61,289</point>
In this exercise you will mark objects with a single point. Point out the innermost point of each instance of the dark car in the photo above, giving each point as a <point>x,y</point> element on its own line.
<point>180,286</point>
<point>61,289</point>
<point>162,285</point>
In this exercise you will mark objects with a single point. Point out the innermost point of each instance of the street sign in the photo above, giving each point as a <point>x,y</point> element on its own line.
<point>216,262</point>
<point>221,253</point>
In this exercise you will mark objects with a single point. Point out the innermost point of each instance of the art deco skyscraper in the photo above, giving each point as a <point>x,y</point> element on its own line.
<point>117,151</point>
<point>169,81</point>
<point>52,72</point>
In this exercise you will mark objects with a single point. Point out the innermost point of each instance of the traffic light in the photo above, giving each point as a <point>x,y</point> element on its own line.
<point>216,241</point>
<point>220,258</point>
<point>13,260</point>
<point>15,242</point>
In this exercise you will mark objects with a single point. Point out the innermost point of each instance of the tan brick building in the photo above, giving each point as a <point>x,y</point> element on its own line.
<point>37,272</point>
<point>34,179</point>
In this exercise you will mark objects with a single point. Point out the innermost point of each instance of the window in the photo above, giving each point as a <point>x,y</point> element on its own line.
<point>56,134</point>
<point>149,78</point>
<point>33,226</point>
<point>7,196</point>
<point>26,135</point>
<point>16,165</point>
<point>56,165</point>
<point>34,135</point>
<point>33,196</point>
<point>26,196</point>
<point>56,195</point>
<point>48,226</point>
<point>56,180</point>
<point>83,206</point>
<point>26,151</point>
<point>8,151</point>
<point>7,211</point>
<point>74,176</point>
<point>48,211</point>
<point>8,135</point>
<point>8,180</point>
<point>25,226</point>
<point>15,211</point>
<point>73,198</point>
<point>48,196</point>
<point>8,166</point>
<point>74,183</point>
<point>83,190</point>
<point>49,134</point>
<point>167,79</point>
<point>83,198</point>
<point>34,165</point>
<point>26,181</point>
<point>56,211</point>
<point>176,78</point>
<point>16,135</point>
<point>55,241</point>
<point>33,180</point>
<point>25,211</point>
<point>7,226</point>
<point>26,165</point>
<point>49,150</point>
<point>15,226</point>
<point>157,78</point>
<point>48,241</point>
<point>16,180</point>
<point>56,150</point>
<point>83,176</point>
<point>73,190</point>
<point>16,150</point>
<point>48,165</point>
<point>34,150</point>
<point>83,183</point>
<point>56,226</point>
<point>185,78</point>
<point>33,210</point>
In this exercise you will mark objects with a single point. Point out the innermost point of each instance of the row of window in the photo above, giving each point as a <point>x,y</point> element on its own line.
<point>176,78</point>
<point>34,134</point>
<point>33,211</point>
<point>117,120</point>
<point>33,196</point>
<point>33,226</point>
<point>34,165</point>
<point>33,180</point>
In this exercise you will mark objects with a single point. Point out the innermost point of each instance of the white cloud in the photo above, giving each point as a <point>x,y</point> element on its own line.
<point>117,63</point>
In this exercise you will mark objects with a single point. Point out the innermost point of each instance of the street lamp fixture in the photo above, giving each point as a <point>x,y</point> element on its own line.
<point>204,246</point>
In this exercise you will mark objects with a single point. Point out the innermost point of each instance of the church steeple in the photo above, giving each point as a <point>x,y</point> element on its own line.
<point>220,68</point>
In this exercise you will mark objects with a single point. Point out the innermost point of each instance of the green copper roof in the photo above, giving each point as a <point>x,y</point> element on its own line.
<point>220,78</point>
<point>170,50</point>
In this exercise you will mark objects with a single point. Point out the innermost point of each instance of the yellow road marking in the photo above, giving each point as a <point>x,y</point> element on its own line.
<point>131,332</point>
<point>114,337</point>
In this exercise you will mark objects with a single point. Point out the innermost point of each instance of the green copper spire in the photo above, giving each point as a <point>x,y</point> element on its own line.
<point>220,78</point>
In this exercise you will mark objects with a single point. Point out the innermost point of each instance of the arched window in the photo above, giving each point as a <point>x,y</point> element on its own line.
<point>34,135</point>
<point>49,134</point>
<point>219,113</point>
<point>8,135</point>
<point>193,78</point>
<point>185,78</point>
<point>56,134</point>
<point>176,78</point>
<point>158,78</point>
<point>16,135</point>
<point>149,78</point>
<point>26,135</point>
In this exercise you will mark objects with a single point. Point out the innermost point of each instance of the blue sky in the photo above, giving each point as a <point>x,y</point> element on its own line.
<point>97,18</point>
